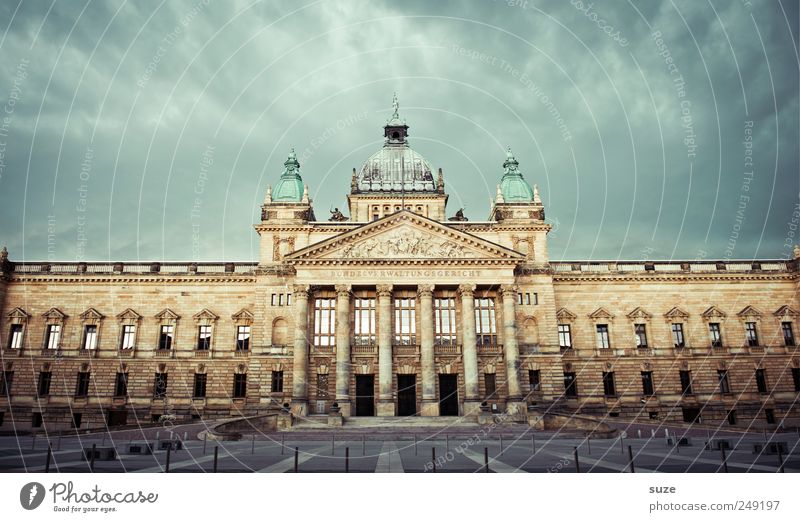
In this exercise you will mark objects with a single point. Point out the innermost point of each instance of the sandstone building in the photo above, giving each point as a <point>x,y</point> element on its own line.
<point>398,309</point>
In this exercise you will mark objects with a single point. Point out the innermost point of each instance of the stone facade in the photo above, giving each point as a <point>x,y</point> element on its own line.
<point>357,311</point>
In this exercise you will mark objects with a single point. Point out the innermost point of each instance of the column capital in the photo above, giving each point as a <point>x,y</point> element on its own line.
<point>425,290</point>
<point>384,290</point>
<point>509,291</point>
<point>466,289</point>
<point>301,291</point>
<point>343,290</point>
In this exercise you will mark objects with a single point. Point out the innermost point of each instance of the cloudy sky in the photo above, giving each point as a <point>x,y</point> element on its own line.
<point>150,130</point>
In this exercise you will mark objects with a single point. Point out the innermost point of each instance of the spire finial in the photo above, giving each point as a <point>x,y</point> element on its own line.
<point>499,197</point>
<point>396,107</point>
<point>536,198</point>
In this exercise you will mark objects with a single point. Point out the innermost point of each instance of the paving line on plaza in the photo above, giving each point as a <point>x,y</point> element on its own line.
<point>494,464</point>
<point>288,463</point>
<point>192,461</point>
<point>718,462</point>
<point>389,460</point>
<point>598,463</point>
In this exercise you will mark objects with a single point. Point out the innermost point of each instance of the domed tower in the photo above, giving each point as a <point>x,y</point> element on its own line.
<point>396,177</point>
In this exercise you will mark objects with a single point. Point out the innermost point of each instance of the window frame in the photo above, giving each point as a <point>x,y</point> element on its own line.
<point>204,337</point>
<point>166,336</point>
<point>535,380</point>
<point>490,385</point>
<point>405,320</point>
<point>82,384</point>
<point>715,334</point>
<point>602,336</point>
<point>687,384</point>
<point>570,384</point>
<point>445,331</point>
<point>44,383</point>
<point>609,384</point>
<point>648,385</point>
<point>200,386</point>
<point>243,334</point>
<point>787,326</point>
<point>94,337</point>
<point>751,333</point>
<point>52,337</point>
<point>324,322</point>
<point>160,385</point>
<point>364,311</point>
<point>276,381</point>
<point>121,384</point>
<point>678,336</point>
<point>568,334</point>
<point>761,380</point>
<point>16,336</point>
<point>485,321</point>
<point>724,384</point>
<point>239,386</point>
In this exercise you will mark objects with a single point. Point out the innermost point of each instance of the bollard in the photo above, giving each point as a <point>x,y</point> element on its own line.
<point>205,439</point>
<point>216,454</point>
<point>533,444</point>
<point>169,454</point>
<point>639,434</point>
<point>589,445</point>
<point>333,442</point>
<point>652,433</point>
<point>780,459</point>
<point>765,434</point>
<point>59,442</point>
<point>253,446</point>
<point>158,435</point>
<point>722,456</point>
<point>486,458</point>
<point>630,459</point>
<point>103,442</point>
<point>446,443</point>
<point>501,443</point>
<point>283,444</point>
<point>33,440</point>
<point>621,447</point>
<point>185,435</point>
<point>50,454</point>
<point>433,458</point>
<point>347,460</point>
<point>415,444</point>
<point>296,454</point>
<point>91,462</point>
<point>363,445</point>
<point>577,463</point>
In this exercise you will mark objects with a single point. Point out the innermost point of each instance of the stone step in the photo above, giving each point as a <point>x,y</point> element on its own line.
<point>389,423</point>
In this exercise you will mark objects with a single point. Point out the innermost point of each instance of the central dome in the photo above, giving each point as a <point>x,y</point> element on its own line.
<point>396,167</point>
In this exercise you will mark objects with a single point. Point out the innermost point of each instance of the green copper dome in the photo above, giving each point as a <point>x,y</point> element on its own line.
<point>513,186</point>
<point>289,188</point>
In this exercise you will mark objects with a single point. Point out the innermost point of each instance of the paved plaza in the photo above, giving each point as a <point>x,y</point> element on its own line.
<point>464,449</point>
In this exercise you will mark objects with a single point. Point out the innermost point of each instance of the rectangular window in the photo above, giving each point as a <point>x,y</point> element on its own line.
<point>324,321</point>
<point>570,384</point>
<point>716,334</point>
<point>43,388</point>
<point>160,386</point>
<point>15,337</point>
<point>527,298</point>
<point>535,298</point>
<point>677,335</point>
<point>609,390</point>
<point>165,339</point>
<point>647,383</point>
<point>795,378</point>
<point>280,299</point>
<point>37,421</point>
<point>242,338</point>
<point>2,417</point>
<point>53,336</point>
<point>405,321</point>
<point>724,384</point>
<point>786,328</point>
<point>731,417</point>
<point>76,420</point>
<point>364,309</point>
<point>519,298</point>
<point>485,325</point>
<point>128,337</point>
<point>199,388</point>
<point>770,415</point>
<point>6,380</point>
<point>761,380</point>
<point>564,336</point>
<point>82,385</point>
<point>751,334</point>
<point>535,380</point>
<point>274,300</point>
<point>322,386</point>
<point>204,337</point>
<point>239,385</point>
<point>444,310</point>
<point>602,336</point>
<point>277,382</point>
<point>288,299</point>
<point>490,383</point>
<point>121,386</point>
<point>90,337</point>
<point>686,382</point>
<point>640,330</point>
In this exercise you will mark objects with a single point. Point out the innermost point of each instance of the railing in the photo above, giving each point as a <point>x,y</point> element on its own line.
<point>145,267</point>
<point>668,266</point>
<point>447,349</point>
<point>163,353</point>
<point>604,352</point>
<point>203,353</point>
<point>241,353</point>
<point>490,348</point>
<point>405,349</point>
<point>363,349</point>
<point>127,352</point>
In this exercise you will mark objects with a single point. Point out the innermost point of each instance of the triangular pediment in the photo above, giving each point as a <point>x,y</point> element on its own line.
<point>205,314</point>
<point>18,313</point>
<point>749,311</point>
<point>128,314</point>
<point>785,311</point>
<point>54,314</point>
<point>638,313</point>
<point>601,313</point>
<point>405,235</point>
<point>676,313</point>
<point>91,314</point>
<point>565,315</point>
<point>243,316</point>
<point>167,315</point>
<point>713,311</point>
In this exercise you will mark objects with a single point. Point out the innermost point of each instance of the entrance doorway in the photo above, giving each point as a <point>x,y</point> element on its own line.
<point>406,395</point>
<point>448,394</point>
<point>365,395</point>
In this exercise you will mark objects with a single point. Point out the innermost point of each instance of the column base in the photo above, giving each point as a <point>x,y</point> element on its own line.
<point>516,409</point>
<point>429,408</point>
<point>344,407</point>
<point>299,407</point>
<point>472,408</point>
<point>385,408</point>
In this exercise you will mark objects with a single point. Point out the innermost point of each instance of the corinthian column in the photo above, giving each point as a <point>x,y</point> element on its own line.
<point>430,406</point>
<point>343,348</point>
<point>514,400</point>
<point>472,400</point>
<point>300,359</point>
<point>385,400</point>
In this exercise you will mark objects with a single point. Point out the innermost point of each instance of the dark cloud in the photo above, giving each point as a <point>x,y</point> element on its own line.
<point>146,89</point>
